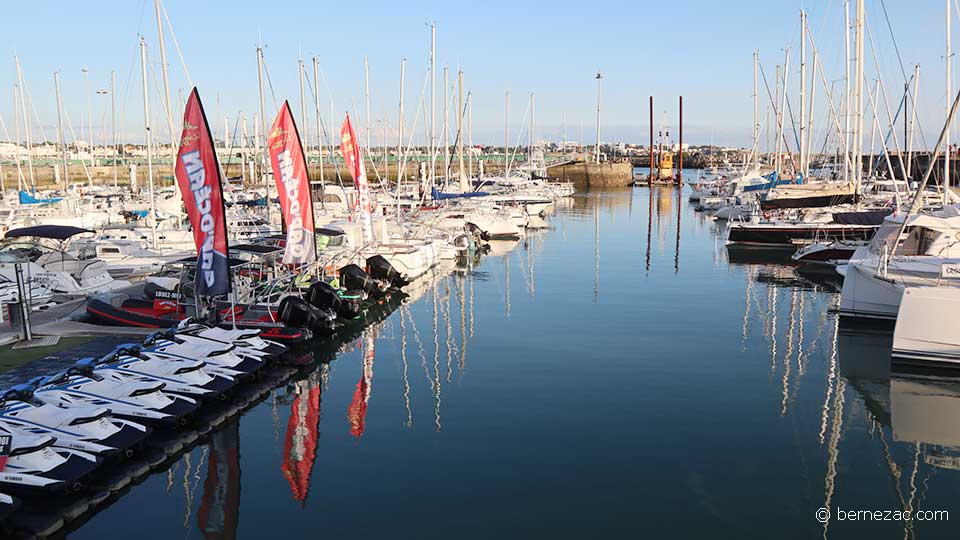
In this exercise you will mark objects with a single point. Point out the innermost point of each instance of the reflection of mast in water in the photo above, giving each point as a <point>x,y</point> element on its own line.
<point>471,303</point>
<point>436,362</point>
<point>190,483</point>
<point>800,363</point>
<point>596,253</point>
<point>831,380</point>
<point>772,306</point>
<point>649,226</point>
<point>303,428</point>
<point>506,266</point>
<point>833,451</point>
<point>676,252</point>
<point>449,328</point>
<point>357,412</point>
<point>220,504</point>
<point>403,359</point>
<point>787,362</point>
<point>746,308</point>
<point>463,325</point>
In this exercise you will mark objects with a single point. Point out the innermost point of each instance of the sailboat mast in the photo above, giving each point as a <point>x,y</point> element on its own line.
<point>506,137</point>
<point>858,100</point>
<point>460,130</point>
<point>756,112</point>
<point>263,128</point>
<point>146,127</point>
<point>316,102</point>
<point>113,125</point>
<point>433,101</point>
<point>16,125</point>
<point>530,130</point>
<point>946,154</point>
<point>846,98</point>
<point>446,121</point>
<point>401,165</point>
<point>599,81</point>
<point>60,135</point>
<point>166,81</point>
<point>366,85</point>
<point>803,93</point>
<point>304,127</point>
<point>26,120</point>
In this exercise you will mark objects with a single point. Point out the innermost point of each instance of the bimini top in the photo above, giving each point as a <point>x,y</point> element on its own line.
<point>58,232</point>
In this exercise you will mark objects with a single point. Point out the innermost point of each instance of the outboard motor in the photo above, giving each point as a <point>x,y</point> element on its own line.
<point>380,268</point>
<point>355,278</point>
<point>296,312</point>
<point>324,296</point>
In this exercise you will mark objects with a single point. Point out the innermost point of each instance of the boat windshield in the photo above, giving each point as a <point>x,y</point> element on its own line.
<point>916,241</point>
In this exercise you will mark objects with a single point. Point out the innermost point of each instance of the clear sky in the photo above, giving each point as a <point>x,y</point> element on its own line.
<point>701,49</point>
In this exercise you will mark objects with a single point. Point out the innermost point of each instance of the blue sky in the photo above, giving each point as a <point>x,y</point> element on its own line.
<point>701,49</point>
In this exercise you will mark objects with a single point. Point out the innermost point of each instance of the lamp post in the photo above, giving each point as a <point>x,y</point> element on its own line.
<point>599,78</point>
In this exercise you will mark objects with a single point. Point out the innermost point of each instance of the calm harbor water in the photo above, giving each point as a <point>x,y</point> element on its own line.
<point>618,373</point>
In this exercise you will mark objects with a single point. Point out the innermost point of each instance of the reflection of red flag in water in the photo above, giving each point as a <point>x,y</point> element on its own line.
<point>220,506</point>
<point>300,448</point>
<point>357,412</point>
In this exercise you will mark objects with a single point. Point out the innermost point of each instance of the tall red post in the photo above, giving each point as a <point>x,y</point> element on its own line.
<point>680,163</point>
<point>650,176</point>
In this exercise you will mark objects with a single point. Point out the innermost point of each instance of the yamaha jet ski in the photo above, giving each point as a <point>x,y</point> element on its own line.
<point>7,505</point>
<point>35,464</point>
<point>190,377</point>
<point>219,360</point>
<point>85,428</point>
<point>250,338</point>
<point>143,401</point>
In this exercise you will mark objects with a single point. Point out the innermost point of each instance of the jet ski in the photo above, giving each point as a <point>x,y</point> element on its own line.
<point>220,360</point>
<point>35,464</point>
<point>189,377</point>
<point>249,338</point>
<point>143,401</point>
<point>86,428</point>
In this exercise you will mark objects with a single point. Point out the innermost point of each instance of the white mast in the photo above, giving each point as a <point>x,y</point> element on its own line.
<point>16,125</point>
<point>60,135</point>
<point>146,127</point>
<point>316,102</point>
<point>113,124</point>
<point>470,135</point>
<point>26,120</point>
<point>86,75</point>
<point>366,84</point>
<point>401,165</point>
<point>781,107</point>
<point>530,132</point>
<point>433,102</point>
<point>803,93</point>
<point>946,154</point>
<point>464,187</point>
<point>166,82</point>
<point>506,138</point>
<point>446,132</point>
<point>858,100</point>
<point>599,79</point>
<point>263,128</point>
<point>756,113</point>
<point>846,99</point>
<point>303,105</point>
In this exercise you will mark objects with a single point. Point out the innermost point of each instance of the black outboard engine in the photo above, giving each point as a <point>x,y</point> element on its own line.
<point>296,312</point>
<point>324,296</point>
<point>380,268</point>
<point>353,277</point>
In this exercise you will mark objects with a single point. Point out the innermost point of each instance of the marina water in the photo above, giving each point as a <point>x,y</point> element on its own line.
<point>621,372</point>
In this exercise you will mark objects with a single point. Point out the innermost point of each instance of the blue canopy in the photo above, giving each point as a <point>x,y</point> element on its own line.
<point>26,198</point>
